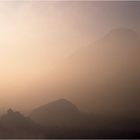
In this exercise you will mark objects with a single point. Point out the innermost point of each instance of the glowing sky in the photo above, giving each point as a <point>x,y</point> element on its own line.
<point>36,36</point>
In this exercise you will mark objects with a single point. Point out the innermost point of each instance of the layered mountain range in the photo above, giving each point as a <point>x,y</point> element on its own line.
<point>103,77</point>
<point>62,119</point>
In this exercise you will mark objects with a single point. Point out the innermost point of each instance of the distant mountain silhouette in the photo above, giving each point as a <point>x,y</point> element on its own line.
<point>60,113</point>
<point>106,74</point>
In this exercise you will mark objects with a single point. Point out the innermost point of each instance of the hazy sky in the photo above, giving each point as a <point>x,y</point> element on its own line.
<point>37,36</point>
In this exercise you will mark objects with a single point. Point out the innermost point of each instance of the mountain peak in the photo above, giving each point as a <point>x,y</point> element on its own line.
<point>10,111</point>
<point>123,33</point>
<point>62,101</point>
<point>123,30</point>
<point>62,105</point>
<point>58,112</point>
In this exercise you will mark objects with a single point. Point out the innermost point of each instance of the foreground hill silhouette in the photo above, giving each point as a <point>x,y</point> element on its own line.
<point>61,114</point>
<point>15,125</point>
<point>13,118</point>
